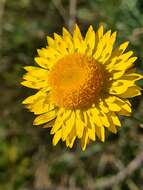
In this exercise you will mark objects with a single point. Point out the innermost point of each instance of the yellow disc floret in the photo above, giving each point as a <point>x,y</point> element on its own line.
<point>76,81</point>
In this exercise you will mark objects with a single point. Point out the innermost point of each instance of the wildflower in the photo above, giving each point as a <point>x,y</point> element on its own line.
<point>83,85</point>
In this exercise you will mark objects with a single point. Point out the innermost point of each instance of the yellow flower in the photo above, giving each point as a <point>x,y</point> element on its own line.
<point>83,84</point>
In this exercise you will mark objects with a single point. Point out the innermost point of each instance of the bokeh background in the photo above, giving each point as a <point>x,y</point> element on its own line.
<point>28,161</point>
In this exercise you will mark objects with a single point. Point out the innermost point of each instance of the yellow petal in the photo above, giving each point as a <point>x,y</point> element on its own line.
<point>107,50</point>
<point>103,43</point>
<point>40,107</point>
<point>102,134</point>
<point>79,44</point>
<point>57,137</point>
<point>112,105</point>
<point>68,126</point>
<point>103,107</point>
<point>131,92</point>
<point>38,76</point>
<point>99,33</point>
<point>126,55</point>
<point>72,142</point>
<point>35,85</point>
<point>43,62</point>
<point>46,117</point>
<point>117,74</point>
<point>90,40</point>
<point>84,139</point>
<point>91,130</point>
<point>79,124</point>
<point>62,115</point>
<point>120,86</point>
<point>36,71</point>
<point>105,119</point>
<point>124,104</point>
<point>127,108</point>
<point>96,117</point>
<point>123,46</point>
<point>115,55</point>
<point>132,76</point>
<point>68,40</point>
<point>42,52</point>
<point>125,64</point>
<point>57,37</point>
<point>66,33</point>
<point>115,120</point>
<point>100,131</point>
<point>71,138</point>
<point>33,98</point>
<point>61,45</point>
<point>85,118</point>
<point>98,37</point>
<point>32,68</point>
<point>120,49</point>
<point>50,41</point>
<point>77,33</point>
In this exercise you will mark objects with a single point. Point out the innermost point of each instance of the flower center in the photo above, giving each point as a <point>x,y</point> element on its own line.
<point>76,81</point>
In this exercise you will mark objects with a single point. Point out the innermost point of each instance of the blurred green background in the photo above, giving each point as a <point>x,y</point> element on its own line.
<point>28,161</point>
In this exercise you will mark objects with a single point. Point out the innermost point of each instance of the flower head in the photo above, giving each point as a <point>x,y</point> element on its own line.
<point>83,85</point>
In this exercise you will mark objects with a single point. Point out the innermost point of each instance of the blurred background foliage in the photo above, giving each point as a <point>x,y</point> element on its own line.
<point>27,159</point>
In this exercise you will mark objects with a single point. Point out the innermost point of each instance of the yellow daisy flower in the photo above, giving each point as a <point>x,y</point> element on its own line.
<point>83,85</point>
